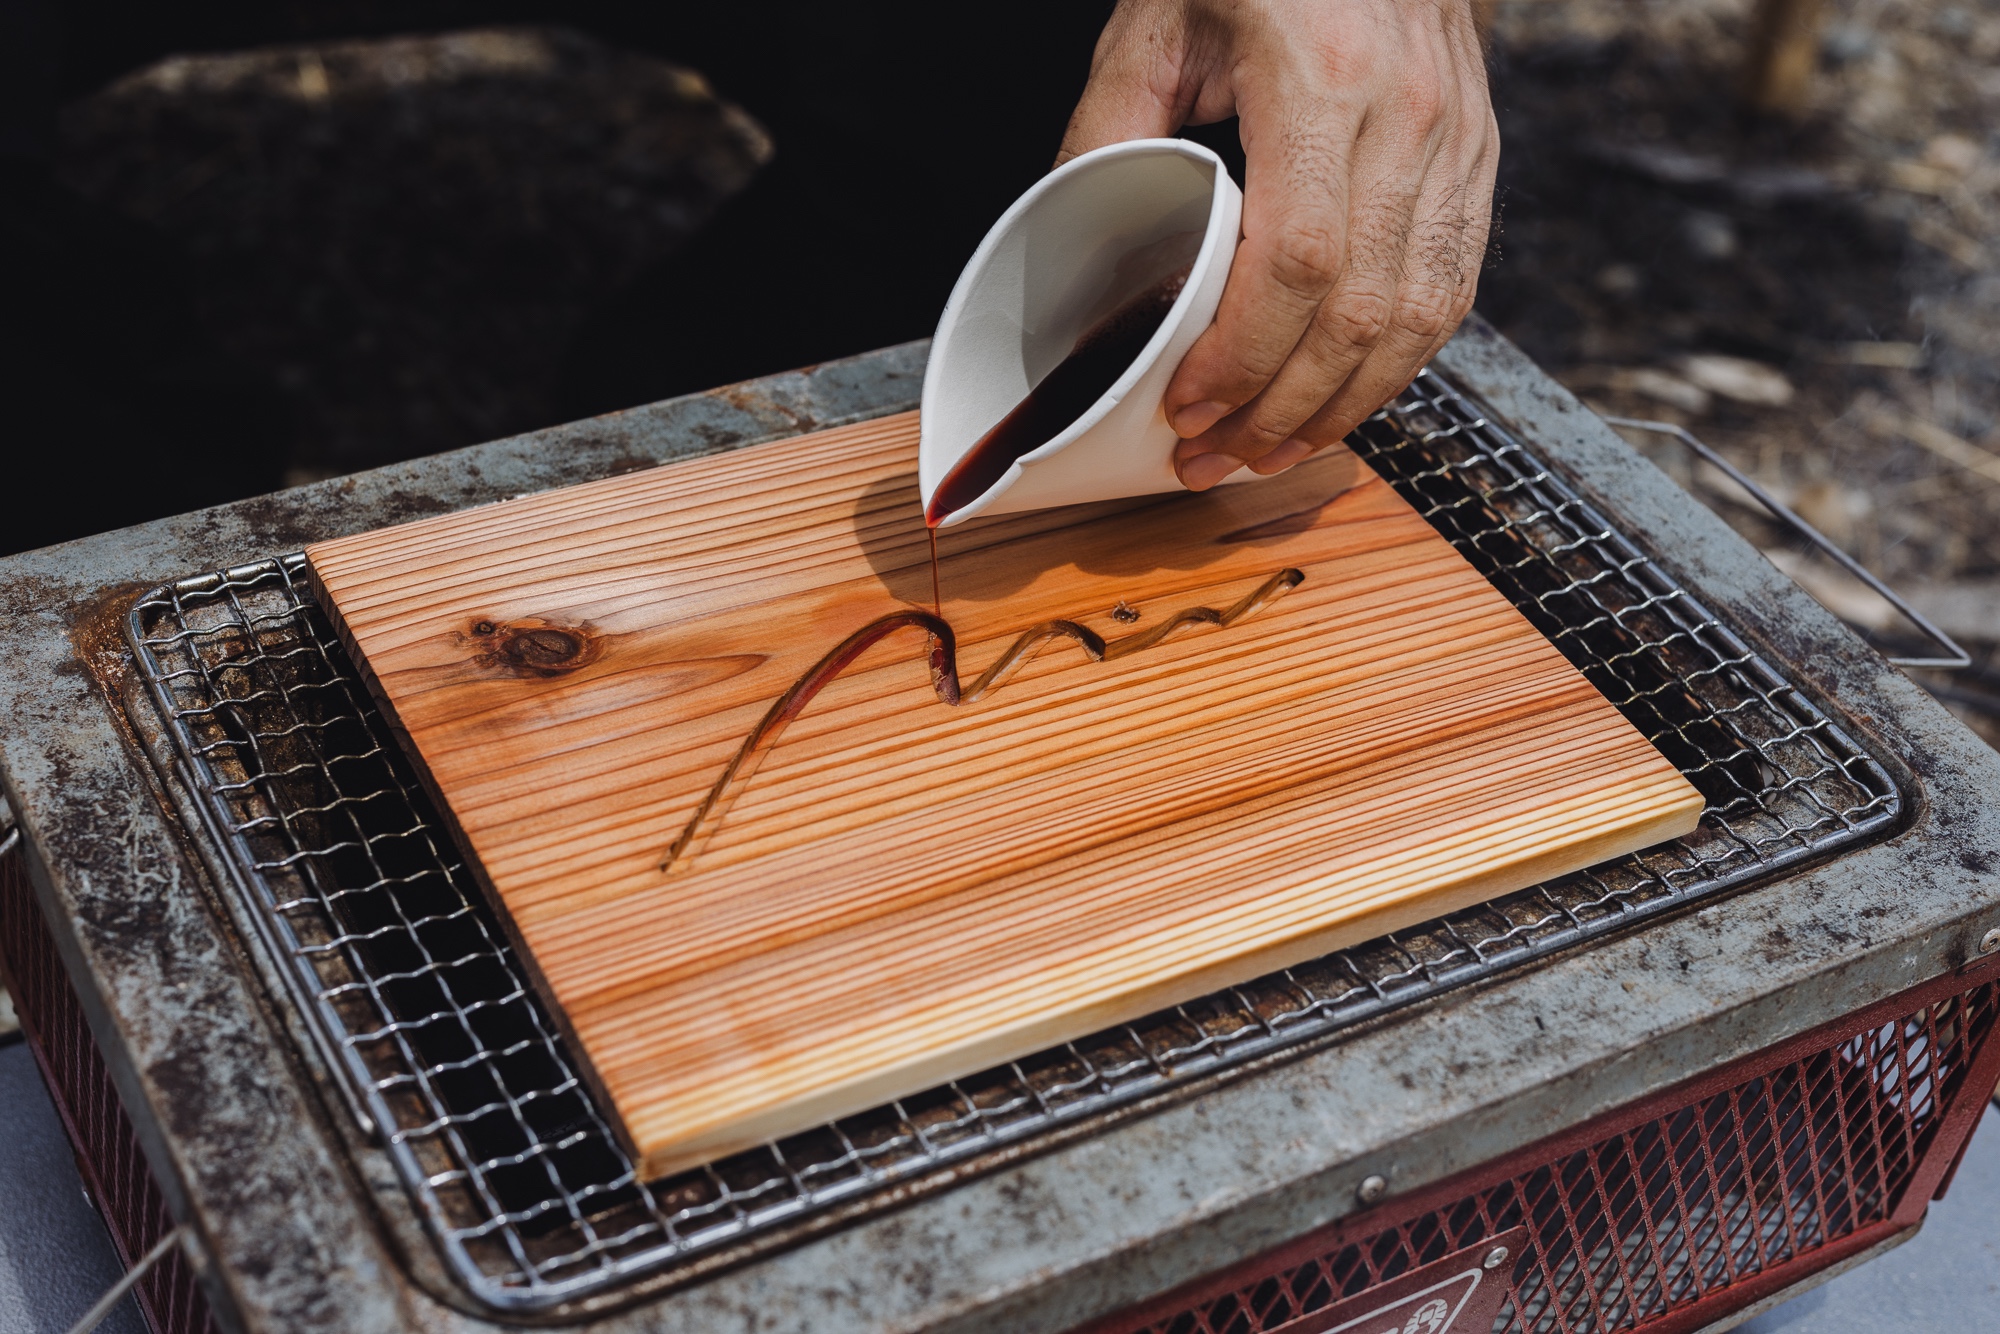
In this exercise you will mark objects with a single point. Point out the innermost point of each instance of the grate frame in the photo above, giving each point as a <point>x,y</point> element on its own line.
<point>444,1053</point>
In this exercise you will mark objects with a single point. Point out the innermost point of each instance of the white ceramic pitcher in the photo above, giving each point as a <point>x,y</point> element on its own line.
<point>1056,262</point>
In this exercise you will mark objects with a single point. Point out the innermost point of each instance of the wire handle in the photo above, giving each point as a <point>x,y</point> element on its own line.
<point>95,1315</point>
<point>1784,514</point>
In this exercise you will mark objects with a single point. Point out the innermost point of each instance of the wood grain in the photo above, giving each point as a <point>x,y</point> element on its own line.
<point>903,891</point>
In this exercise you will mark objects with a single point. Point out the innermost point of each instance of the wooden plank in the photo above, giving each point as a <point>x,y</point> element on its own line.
<point>902,891</point>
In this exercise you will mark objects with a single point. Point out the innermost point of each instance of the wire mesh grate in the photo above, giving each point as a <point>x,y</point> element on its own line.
<point>1646,1222</point>
<point>444,1049</point>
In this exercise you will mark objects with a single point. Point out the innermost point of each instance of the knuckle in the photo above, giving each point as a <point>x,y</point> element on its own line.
<point>1423,99</point>
<point>1320,429</point>
<point>1447,253</point>
<point>1427,313</point>
<point>1358,318</point>
<point>1328,426</point>
<point>1461,306</point>
<point>1382,237</point>
<point>1304,260</point>
<point>1262,431</point>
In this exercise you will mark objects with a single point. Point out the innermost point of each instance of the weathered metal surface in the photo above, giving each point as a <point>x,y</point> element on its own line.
<point>1625,1209</point>
<point>494,1190</point>
<point>236,1120</point>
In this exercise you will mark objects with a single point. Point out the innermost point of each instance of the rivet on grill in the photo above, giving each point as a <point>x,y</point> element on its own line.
<point>1990,941</point>
<point>1496,1257</point>
<point>1372,1189</point>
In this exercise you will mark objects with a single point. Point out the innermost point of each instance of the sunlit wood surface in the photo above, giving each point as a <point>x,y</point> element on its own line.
<point>904,891</point>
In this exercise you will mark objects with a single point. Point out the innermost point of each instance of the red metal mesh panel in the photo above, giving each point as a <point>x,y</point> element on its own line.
<point>114,1170</point>
<point>1639,1226</point>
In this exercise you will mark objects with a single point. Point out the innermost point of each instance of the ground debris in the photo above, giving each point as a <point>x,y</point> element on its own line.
<point>1819,301</point>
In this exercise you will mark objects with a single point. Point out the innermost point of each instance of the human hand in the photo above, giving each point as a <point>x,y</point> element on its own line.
<point>1371,149</point>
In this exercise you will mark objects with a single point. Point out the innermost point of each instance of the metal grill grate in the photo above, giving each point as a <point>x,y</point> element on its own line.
<point>428,1017</point>
<point>1647,1222</point>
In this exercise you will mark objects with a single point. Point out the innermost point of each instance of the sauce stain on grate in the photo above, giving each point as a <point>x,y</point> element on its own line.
<point>427,1013</point>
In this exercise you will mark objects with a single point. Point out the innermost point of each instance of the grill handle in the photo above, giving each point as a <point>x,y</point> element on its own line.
<point>1785,515</point>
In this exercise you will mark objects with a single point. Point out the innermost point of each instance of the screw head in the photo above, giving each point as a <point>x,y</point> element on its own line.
<point>1372,1189</point>
<point>1990,941</point>
<point>1496,1257</point>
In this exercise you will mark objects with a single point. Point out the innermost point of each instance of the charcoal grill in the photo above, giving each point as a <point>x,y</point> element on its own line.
<point>1690,1078</point>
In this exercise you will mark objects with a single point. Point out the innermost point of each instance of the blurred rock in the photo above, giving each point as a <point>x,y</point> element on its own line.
<point>1888,355</point>
<point>1737,378</point>
<point>1762,184</point>
<point>1837,511</point>
<point>1844,42</point>
<point>1620,279</point>
<point>1948,240</point>
<point>1968,611</point>
<point>1710,235</point>
<point>404,234</point>
<point>1719,485</point>
<point>1922,178</point>
<point>1954,153</point>
<point>1645,381</point>
<point>1965,611</point>
<point>1662,386</point>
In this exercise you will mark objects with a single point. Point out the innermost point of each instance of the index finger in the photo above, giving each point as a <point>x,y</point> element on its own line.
<point>1133,91</point>
<point>1294,248</point>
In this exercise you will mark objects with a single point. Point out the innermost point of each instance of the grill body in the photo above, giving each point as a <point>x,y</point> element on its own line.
<point>115,1172</point>
<point>1746,1084</point>
<point>1669,1214</point>
<point>334,853</point>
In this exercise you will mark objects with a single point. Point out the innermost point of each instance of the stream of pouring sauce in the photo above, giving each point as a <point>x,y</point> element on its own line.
<point>1093,365</point>
<point>942,659</point>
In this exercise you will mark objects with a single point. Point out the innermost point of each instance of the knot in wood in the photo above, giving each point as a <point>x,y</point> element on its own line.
<point>535,648</point>
<point>543,648</point>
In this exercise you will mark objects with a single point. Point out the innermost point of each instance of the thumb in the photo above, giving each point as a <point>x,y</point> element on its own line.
<point>1134,88</point>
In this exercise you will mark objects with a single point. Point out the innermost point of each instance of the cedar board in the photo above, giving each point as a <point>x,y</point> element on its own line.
<point>905,892</point>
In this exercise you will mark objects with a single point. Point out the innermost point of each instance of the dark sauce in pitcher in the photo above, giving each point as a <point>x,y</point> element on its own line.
<point>1064,394</point>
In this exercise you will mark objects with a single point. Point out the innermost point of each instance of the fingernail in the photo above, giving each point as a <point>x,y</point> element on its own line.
<point>1283,457</point>
<point>1205,470</point>
<point>1195,418</point>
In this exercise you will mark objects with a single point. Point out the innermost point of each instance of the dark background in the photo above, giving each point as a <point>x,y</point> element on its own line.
<point>901,134</point>
<point>206,296</point>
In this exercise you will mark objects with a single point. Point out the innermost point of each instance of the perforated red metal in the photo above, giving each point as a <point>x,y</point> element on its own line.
<point>1666,1216</point>
<point>114,1170</point>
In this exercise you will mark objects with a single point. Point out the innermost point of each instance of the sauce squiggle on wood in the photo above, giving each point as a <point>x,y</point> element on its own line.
<point>942,659</point>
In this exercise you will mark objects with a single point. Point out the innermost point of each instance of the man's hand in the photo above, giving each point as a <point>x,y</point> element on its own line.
<point>1371,149</point>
